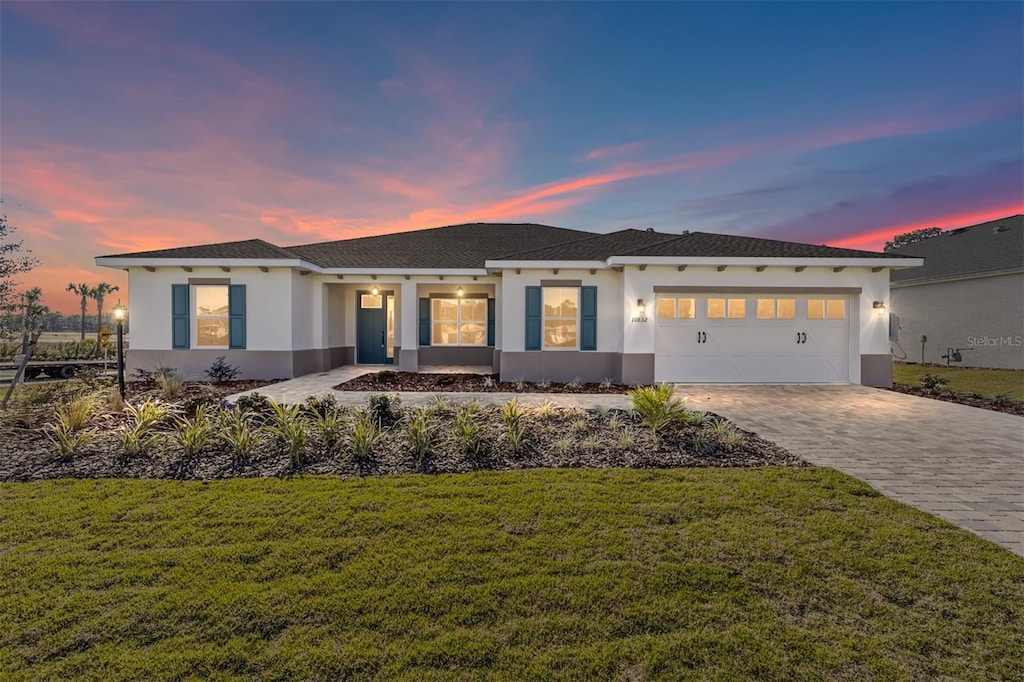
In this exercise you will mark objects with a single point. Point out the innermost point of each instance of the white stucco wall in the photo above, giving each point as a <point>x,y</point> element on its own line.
<point>985,314</point>
<point>268,302</point>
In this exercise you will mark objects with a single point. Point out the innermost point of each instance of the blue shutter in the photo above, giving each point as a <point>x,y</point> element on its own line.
<point>179,316</point>
<point>424,321</point>
<point>534,310</point>
<point>588,318</point>
<point>490,322</point>
<point>236,316</point>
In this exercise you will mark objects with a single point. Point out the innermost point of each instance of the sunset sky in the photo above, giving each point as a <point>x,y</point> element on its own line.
<point>135,126</point>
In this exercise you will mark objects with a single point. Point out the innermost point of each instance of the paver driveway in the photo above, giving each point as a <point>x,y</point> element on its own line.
<point>963,464</point>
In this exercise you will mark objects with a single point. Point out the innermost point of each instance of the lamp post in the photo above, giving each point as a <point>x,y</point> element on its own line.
<point>120,312</point>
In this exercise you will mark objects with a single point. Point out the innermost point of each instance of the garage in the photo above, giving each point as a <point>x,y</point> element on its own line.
<point>769,337</point>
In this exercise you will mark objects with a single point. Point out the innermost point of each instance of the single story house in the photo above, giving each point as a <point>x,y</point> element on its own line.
<point>967,299</point>
<point>531,301</point>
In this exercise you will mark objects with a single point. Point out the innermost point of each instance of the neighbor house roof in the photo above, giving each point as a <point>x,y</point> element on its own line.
<point>995,246</point>
<point>455,246</point>
<point>249,248</point>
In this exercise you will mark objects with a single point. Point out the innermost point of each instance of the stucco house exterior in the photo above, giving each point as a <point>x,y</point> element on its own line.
<point>968,295</point>
<point>531,301</point>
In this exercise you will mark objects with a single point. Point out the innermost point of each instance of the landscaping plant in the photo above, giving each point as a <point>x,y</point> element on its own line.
<point>513,418</point>
<point>138,435</point>
<point>289,426</point>
<point>422,435</point>
<point>70,434</point>
<point>658,408</point>
<point>470,433</point>
<point>727,435</point>
<point>170,384</point>
<point>194,433</point>
<point>363,436</point>
<point>221,371</point>
<point>329,427</point>
<point>383,407</point>
<point>239,434</point>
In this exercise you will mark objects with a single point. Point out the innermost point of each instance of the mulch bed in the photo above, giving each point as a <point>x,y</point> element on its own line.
<point>559,438</point>
<point>971,399</point>
<point>388,380</point>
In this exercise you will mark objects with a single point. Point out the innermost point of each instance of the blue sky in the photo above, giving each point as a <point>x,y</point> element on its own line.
<point>143,125</point>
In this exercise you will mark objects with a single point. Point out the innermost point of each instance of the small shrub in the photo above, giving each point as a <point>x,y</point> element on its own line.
<point>515,427</point>
<point>139,374</point>
<point>363,436</point>
<point>519,383</point>
<point>139,434</point>
<point>511,413</point>
<point>547,409</point>
<point>579,426</point>
<point>562,447</point>
<point>259,405</point>
<point>575,384</point>
<point>288,425</point>
<point>76,414</point>
<point>383,407</point>
<point>626,440</point>
<point>329,428</point>
<point>386,376</point>
<point>422,435</point>
<point>221,371</point>
<point>1003,400</point>
<point>112,400</point>
<point>698,418</point>
<point>607,383</point>
<point>193,403</point>
<point>321,405</point>
<point>933,383</point>
<point>544,385</point>
<point>470,433</point>
<point>239,434</point>
<point>615,422</point>
<point>438,404</point>
<point>701,445</point>
<point>488,382</point>
<point>68,442</point>
<point>444,380</point>
<point>727,435</point>
<point>170,385</point>
<point>658,408</point>
<point>194,433</point>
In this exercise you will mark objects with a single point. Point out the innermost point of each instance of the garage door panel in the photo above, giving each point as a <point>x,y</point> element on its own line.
<point>752,349</point>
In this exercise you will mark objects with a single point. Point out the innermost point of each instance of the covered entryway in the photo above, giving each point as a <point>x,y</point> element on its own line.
<point>772,337</point>
<point>375,327</point>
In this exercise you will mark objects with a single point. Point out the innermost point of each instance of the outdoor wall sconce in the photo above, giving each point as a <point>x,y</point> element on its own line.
<point>879,306</point>
<point>460,292</point>
<point>641,307</point>
<point>375,290</point>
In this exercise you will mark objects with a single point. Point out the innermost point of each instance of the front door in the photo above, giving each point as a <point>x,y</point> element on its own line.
<point>373,321</point>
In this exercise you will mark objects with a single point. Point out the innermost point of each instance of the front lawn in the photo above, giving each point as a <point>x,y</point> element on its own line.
<point>774,573</point>
<point>987,382</point>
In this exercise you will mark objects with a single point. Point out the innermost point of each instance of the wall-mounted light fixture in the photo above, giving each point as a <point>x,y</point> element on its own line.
<point>879,306</point>
<point>641,307</point>
<point>375,290</point>
<point>460,292</point>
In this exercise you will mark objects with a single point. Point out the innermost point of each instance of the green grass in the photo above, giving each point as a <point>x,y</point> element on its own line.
<point>988,382</point>
<point>545,574</point>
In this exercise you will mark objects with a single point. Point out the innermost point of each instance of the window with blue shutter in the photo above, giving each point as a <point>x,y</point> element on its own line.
<point>179,316</point>
<point>490,322</point>
<point>534,310</point>
<point>588,318</point>
<point>236,316</point>
<point>424,322</point>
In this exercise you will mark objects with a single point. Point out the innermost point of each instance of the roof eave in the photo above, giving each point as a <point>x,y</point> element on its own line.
<point>123,262</point>
<point>547,264</point>
<point>892,263</point>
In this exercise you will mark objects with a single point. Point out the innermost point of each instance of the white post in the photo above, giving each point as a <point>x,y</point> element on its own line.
<point>409,329</point>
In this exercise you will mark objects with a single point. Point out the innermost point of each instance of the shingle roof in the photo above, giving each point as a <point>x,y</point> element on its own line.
<point>249,248</point>
<point>455,246</point>
<point>988,247</point>
<point>708,245</point>
<point>593,247</point>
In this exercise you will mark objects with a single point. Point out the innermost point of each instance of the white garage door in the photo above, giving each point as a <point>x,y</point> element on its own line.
<point>746,338</point>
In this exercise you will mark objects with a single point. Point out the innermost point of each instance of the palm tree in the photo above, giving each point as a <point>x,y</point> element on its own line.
<point>82,290</point>
<point>98,293</point>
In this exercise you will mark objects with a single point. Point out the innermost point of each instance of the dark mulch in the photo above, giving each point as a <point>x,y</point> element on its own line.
<point>388,380</point>
<point>560,438</point>
<point>971,399</point>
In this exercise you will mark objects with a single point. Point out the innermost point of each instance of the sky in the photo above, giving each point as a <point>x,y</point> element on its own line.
<point>134,126</point>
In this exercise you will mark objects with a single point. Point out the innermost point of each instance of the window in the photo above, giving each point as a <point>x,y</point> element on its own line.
<point>561,317</point>
<point>211,316</point>
<point>716,308</point>
<point>721,308</point>
<point>458,321</point>
<point>826,309</point>
<point>770,308</point>
<point>671,308</point>
<point>737,308</point>
<point>374,301</point>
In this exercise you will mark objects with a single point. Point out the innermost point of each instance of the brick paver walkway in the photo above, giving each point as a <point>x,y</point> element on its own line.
<point>962,464</point>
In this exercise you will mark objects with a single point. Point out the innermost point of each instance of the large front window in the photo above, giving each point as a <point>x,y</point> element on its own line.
<point>561,317</point>
<point>211,316</point>
<point>458,321</point>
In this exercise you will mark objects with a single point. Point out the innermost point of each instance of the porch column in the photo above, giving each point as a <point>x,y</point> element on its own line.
<point>409,329</point>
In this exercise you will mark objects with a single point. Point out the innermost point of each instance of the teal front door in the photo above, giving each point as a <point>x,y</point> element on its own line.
<point>372,324</point>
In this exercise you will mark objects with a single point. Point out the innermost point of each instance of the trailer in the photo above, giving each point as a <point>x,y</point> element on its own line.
<point>55,369</point>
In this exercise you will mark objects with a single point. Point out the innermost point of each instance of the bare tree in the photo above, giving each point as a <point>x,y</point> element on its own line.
<point>32,311</point>
<point>98,293</point>
<point>84,291</point>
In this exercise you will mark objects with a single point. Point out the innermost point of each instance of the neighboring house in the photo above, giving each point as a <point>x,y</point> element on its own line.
<point>969,295</point>
<point>531,301</point>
